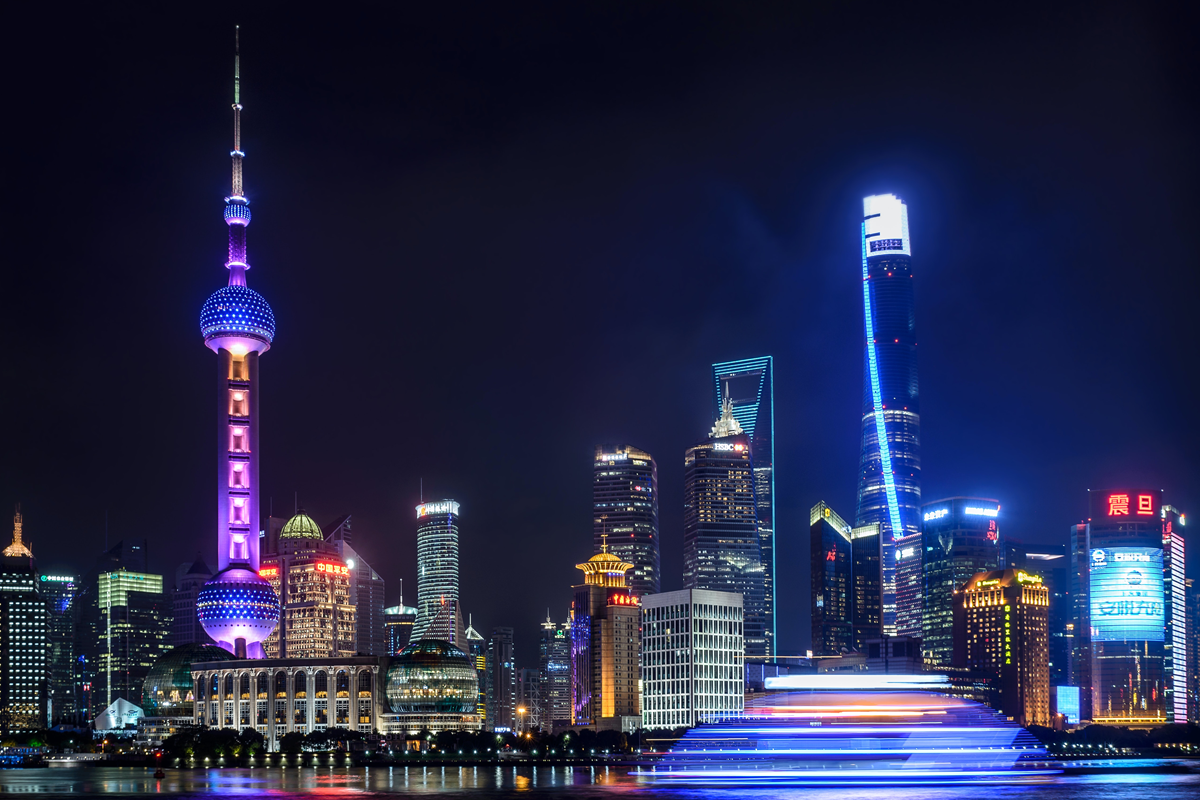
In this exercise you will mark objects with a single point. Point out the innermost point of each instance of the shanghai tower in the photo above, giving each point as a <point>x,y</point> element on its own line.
<point>889,480</point>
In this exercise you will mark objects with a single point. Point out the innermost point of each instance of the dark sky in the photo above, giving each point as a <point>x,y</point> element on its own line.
<point>497,235</point>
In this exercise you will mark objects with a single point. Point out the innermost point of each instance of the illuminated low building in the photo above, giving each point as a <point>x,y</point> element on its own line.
<point>312,581</point>
<point>169,693</point>
<point>431,686</point>
<point>605,634</point>
<point>693,657</point>
<point>1001,626</point>
<point>278,696</point>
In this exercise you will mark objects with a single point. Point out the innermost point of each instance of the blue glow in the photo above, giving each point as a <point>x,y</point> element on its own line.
<point>237,310</point>
<point>1068,703</point>
<point>885,453</point>
<point>1127,597</point>
<point>237,214</point>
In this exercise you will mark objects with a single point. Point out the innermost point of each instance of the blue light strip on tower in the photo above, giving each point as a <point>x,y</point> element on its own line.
<point>885,452</point>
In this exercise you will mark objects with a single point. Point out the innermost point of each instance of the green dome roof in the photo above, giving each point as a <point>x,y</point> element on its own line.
<point>301,526</point>
<point>168,690</point>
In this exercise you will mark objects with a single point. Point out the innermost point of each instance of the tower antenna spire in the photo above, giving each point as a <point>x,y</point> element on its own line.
<point>237,153</point>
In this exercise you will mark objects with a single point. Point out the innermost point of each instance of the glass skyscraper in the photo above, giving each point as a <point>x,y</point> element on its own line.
<point>437,572</point>
<point>889,488</point>
<point>750,385</point>
<point>625,511</point>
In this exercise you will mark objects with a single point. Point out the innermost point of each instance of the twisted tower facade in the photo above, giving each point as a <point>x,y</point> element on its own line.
<point>237,607</point>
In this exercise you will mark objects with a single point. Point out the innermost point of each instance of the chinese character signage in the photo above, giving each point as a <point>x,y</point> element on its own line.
<point>1127,594</point>
<point>1126,505</point>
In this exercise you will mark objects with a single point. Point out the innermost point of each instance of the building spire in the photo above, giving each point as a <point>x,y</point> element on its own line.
<point>237,211</point>
<point>727,425</point>
<point>17,549</point>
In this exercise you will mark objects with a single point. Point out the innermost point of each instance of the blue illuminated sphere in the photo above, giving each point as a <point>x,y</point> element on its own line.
<point>237,311</point>
<point>237,604</point>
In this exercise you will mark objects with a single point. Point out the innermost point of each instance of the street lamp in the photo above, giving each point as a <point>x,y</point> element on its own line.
<point>520,719</point>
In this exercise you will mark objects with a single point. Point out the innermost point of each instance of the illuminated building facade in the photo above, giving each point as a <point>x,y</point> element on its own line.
<point>24,634</point>
<point>605,641</point>
<point>722,550</point>
<point>398,623</point>
<point>831,570</point>
<point>1175,650</point>
<point>554,666</point>
<point>59,592</point>
<point>477,649</point>
<point>312,582</point>
<point>1126,613</point>
<point>749,385</point>
<point>437,571</point>
<point>236,607</point>
<point>693,658</point>
<point>291,695</point>
<point>1193,637</point>
<point>889,487</point>
<point>625,511</point>
<point>131,617</point>
<point>431,686</point>
<point>502,681</point>
<point>366,592</point>
<point>1001,626</point>
<point>960,537</point>
<point>1050,562</point>
<point>909,555</point>
<point>1079,632</point>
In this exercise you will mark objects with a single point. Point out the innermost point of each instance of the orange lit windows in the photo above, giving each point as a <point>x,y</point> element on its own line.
<point>239,402</point>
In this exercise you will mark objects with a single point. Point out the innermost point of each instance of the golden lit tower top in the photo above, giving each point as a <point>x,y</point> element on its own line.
<point>604,569</point>
<point>18,548</point>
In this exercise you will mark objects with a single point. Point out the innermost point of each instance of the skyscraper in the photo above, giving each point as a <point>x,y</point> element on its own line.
<point>625,511</point>
<point>366,591</point>
<point>236,607</point>
<point>889,488</point>
<point>437,572</point>
<point>130,616</point>
<point>554,663</point>
<point>1175,653</point>
<point>750,385</point>
<point>722,550</point>
<point>605,646</point>
<point>59,592</point>
<point>477,649</point>
<point>1050,563</point>
<point>846,582</point>
<point>502,681</point>
<point>960,538</point>
<point>23,634</point>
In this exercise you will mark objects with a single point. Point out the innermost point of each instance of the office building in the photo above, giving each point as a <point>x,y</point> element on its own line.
<point>1051,564</point>
<point>1193,664</point>
<point>898,655</point>
<point>1001,626</point>
<point>909,555</point>
<point>693,658</point>
<point>1079,632</point>
<point>605,638</point>
<point>554,666</point>
<point>1126,613</point>
<point>529,700</point>
<point>59,593</point>
<point>295,695</point>
<point>477,649</point>
<point>316,618</point>
<point>502,681</point>
<point>185,594</point>
<point>960,537</point>
<point>749,385</point>
<point>366,591</point>
<point>721,547</point>
<point>889,487</point>
<point>236,607</point>
<point>1175,645</point>
<point>437,572</point>
<point>866,586</point>
<point>24,634</point>
<point>832,600</point>
<point>625,511</point>
<point>398,624</point>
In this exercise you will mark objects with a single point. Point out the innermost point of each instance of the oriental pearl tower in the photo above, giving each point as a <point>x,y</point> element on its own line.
<point>237,607</point>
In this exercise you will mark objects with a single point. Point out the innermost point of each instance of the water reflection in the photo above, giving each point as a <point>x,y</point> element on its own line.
<point>582,783</point>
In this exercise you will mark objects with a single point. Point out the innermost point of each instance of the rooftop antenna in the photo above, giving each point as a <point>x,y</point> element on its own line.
<point>422,488</point>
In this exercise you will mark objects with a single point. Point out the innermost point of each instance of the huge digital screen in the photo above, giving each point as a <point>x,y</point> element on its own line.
<point>1127,594</point>
<point>1067,698</point>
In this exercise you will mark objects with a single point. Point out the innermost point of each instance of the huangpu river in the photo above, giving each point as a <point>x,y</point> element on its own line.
<point>1131,781</point>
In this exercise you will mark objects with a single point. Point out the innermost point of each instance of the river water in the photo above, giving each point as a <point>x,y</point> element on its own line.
<point>577,783</point>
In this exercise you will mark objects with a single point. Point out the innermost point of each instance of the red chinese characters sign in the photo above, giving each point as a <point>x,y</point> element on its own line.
<point>1126,504</point>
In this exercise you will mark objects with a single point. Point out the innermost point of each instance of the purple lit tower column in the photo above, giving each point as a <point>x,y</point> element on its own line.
<point>237,608</point>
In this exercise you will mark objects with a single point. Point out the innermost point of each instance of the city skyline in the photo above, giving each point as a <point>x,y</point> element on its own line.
<point>970,449</point>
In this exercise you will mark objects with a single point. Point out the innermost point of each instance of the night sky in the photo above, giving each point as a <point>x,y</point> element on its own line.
<point>498,235</point>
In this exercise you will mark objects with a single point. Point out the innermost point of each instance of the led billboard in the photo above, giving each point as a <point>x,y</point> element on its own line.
<point>1127,594</point>
<point>1068,703</point>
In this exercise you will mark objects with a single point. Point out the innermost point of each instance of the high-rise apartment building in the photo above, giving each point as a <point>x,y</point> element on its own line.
<point>605,641</point>
<point>749,385</point>
<point>1050,563</point>
<point>889,487</point>
<point>625,511</point>
<point>693,658</point>
<point>236,607</point>
<point>24,634</point>
<point>554,666</point>
<point>960,538</point>
<point>59,592</point>
<point>312,582</point>
<point>502,681</point>
<point>437,571</point>
<point>722,551</point>
<point>1175,650</point>
<point>366,591</point>
<point>1001,626</point>
<point>185,594</point>
<point>1122,554</point>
